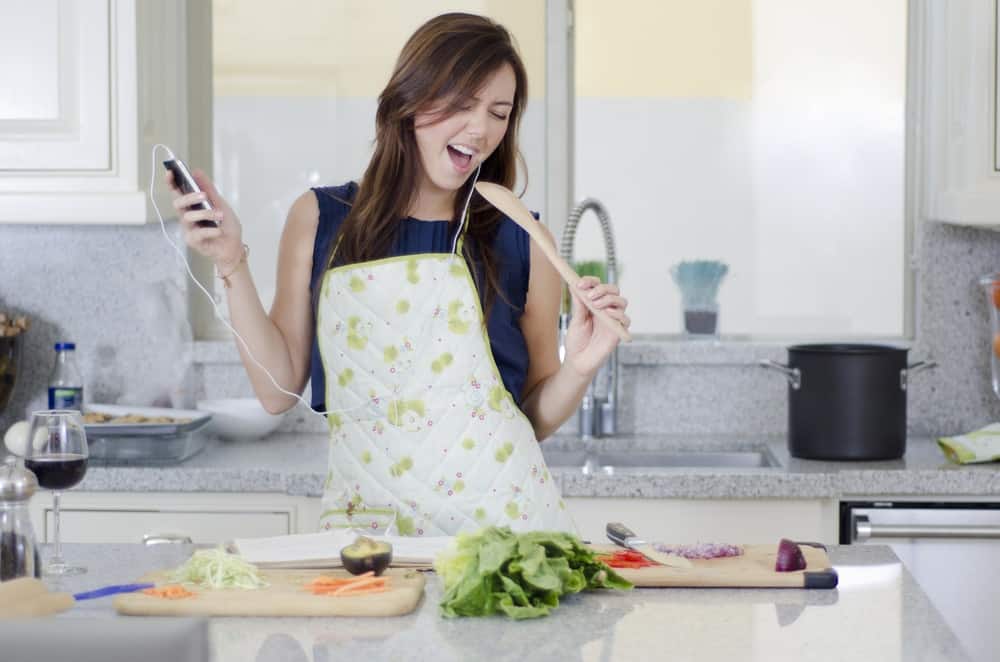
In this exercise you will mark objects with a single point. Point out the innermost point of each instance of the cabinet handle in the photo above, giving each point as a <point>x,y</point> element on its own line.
<point>166,539</point>
<point>864,529</point>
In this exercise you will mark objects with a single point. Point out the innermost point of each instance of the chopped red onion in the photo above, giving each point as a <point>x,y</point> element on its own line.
<point>702,550</point>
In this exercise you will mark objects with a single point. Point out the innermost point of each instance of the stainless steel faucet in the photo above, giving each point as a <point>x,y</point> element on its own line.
<point>597,412</point>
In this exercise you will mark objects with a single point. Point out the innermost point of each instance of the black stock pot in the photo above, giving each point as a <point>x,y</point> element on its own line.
<point>847,401</point>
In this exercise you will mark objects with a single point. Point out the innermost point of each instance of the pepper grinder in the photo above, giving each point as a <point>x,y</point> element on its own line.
<point>18,551</point>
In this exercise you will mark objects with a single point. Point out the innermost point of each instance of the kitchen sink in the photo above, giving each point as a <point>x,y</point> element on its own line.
<point>621,461</point>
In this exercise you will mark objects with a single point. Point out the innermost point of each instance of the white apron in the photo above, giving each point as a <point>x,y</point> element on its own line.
<point>425,439</point>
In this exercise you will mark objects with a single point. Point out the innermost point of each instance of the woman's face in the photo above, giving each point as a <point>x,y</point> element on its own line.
<point>452,147</point>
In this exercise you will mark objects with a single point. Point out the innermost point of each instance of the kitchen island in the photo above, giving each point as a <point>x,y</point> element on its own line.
<point>877,613</point>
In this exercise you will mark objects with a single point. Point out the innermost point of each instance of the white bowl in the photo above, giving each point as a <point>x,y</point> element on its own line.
<point>239,419</point>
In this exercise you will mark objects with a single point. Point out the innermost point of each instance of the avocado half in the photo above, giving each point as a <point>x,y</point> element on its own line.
<point>366,555</point>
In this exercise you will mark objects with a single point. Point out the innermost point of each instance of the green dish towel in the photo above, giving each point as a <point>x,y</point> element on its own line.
<point>982,445</point>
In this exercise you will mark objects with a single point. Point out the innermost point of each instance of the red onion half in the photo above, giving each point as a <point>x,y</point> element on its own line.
<point>789,558</point>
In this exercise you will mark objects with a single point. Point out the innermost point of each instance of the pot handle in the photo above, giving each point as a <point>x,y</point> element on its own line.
<point>904,374</point>
<point>794,375</point>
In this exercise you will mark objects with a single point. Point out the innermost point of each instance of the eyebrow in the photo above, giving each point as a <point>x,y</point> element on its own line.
<point>497,103</point>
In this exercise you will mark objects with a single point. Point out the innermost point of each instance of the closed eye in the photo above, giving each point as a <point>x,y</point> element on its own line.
<point>499,116</point>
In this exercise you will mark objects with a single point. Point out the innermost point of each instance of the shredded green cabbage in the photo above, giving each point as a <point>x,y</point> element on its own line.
<point>216,568</point>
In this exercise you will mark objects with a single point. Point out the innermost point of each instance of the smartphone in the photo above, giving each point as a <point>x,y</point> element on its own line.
<point>185,182</point>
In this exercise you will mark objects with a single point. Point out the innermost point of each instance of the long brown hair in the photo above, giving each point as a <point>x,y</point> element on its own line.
<point>449,58</point>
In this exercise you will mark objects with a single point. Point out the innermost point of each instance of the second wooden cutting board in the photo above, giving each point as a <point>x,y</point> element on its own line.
<point>753,569</point>
<point>285,595</point>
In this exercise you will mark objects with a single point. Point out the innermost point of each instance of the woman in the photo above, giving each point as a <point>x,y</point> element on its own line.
<point>426,320</point>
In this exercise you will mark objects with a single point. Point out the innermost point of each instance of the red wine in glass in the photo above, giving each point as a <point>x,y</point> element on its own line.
<point>58,471</point>
<point>57,454</point>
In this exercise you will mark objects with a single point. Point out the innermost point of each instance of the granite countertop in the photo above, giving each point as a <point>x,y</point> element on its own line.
<point>295,464</point>
<point>877,613</point>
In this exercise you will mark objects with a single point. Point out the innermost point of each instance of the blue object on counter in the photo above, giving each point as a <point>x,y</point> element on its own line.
<point>699,281</point>
<point>111,590</point>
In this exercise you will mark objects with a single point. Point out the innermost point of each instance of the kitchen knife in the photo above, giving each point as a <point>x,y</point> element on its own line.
<point>622,535</point>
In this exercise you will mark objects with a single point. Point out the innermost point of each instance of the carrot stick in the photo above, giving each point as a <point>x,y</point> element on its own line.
<point>169,592</point>
<point>324,580</point>
<point>343,586</point>
<point>359,584</point>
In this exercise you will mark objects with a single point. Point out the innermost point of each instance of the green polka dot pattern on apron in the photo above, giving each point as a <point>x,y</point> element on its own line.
<point>427,440</point>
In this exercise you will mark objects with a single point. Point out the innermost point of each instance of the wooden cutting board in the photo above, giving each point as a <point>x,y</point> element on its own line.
<point>753,569</point>
<point>284,596</point>
<point>27,597</point>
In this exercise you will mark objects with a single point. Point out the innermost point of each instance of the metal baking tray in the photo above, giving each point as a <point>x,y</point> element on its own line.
<point>196,420</point>
<point>145,444</point>
<point>146,451</point>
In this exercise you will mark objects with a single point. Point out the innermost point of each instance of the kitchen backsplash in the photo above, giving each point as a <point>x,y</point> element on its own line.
<point>113,289</point>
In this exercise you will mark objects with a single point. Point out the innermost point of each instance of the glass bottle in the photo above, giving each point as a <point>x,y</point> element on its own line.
<point>66,384</point>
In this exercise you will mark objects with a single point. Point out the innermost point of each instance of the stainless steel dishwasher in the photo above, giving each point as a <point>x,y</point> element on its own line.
<point>953,551</point>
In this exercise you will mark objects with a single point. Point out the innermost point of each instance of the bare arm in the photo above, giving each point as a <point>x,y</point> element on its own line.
<point>552,392</point>
<point>281,341</point>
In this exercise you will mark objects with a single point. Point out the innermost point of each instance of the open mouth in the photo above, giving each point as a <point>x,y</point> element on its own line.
<point>461,156</point>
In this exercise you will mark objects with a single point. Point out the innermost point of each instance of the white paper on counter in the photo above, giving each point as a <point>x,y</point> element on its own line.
<point>322,550</point>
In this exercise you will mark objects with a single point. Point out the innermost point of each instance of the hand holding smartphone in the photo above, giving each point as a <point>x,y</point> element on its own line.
<point>184,180</point>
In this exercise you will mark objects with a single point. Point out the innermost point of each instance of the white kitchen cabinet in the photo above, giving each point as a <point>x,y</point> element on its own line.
<point>128,526</point>
<point>88,87</point>
<point>127,517</point>
<point>954,103</point>
<point>746,521</point>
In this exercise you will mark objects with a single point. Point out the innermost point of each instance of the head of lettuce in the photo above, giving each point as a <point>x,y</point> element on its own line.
<point>522,575</point>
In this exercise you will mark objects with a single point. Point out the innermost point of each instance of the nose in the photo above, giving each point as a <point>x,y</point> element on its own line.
<point>476,126</point>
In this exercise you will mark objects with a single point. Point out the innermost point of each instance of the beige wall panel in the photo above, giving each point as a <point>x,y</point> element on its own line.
<point>664,48</point>
<point>344,48</point>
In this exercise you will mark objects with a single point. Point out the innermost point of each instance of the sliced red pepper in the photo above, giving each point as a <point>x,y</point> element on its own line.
<point>625,559</point>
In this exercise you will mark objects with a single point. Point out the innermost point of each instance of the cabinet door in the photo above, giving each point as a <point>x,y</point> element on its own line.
<point>131,526</point>
<point>126,517</point>
<point>958,94</point>
<point>682,521</point>
<point>87,88</point>
<point>55,112</point>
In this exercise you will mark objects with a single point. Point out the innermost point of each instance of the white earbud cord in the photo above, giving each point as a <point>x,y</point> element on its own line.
<point>465,211</point>
<point>218,313</point>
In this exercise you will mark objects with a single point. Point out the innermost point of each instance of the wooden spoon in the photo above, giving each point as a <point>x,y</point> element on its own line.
<point>504,200</point>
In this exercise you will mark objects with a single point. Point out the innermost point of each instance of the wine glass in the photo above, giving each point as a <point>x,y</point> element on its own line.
<point>57,454</point>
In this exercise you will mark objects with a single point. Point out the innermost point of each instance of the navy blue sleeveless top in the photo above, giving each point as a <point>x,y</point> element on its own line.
<point>513,267</point>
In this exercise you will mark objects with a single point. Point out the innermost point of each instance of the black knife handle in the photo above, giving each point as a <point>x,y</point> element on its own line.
<point>618,533</point>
